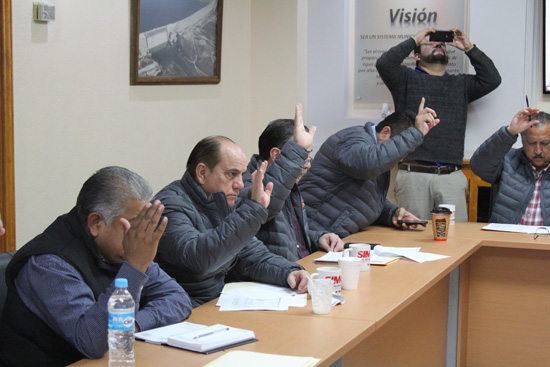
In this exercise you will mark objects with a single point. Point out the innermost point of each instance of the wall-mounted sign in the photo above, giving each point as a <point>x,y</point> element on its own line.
<point>380,25</point>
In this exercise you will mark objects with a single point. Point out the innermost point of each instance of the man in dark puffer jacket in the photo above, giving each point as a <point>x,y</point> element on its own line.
<point>345,189</point>
<point>522,190</point>
<point>283,144</point>
<point>210,232</point>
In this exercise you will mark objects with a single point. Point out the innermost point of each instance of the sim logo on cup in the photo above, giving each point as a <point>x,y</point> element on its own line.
<point>361,251</point>
<point>334,274</point>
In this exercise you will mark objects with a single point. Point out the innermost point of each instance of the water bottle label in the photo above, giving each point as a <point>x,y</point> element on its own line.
<point>121,321</point>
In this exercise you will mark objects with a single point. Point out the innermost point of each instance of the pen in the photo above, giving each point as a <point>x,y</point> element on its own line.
<point>527,101</point>
<point>210,333</point>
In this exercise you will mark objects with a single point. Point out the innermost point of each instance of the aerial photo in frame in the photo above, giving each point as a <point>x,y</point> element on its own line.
<point>176,41</point>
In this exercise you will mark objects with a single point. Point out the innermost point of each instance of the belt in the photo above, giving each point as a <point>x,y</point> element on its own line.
<point>443,170</point>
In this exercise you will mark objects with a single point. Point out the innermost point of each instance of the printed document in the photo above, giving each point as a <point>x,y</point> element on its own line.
<point>517,228</point>
<point>247,296</point>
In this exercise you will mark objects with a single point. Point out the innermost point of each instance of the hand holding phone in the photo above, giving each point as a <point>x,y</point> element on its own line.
<point>442,36</point>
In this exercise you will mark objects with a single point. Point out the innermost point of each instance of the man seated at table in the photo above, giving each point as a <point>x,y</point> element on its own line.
<point>345,188</point>
<point>60,282</point>
<point>283,145</point>
<point>211,230</point>
<point>521,184</point>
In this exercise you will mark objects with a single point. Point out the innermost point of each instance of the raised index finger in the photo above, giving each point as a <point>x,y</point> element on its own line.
<point>298,119</point>
<point>421,107</point>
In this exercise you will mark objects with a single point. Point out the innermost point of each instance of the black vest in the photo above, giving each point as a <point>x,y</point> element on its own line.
<point>31,342</point>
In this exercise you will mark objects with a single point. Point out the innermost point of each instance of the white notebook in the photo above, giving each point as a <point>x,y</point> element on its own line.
<point>198,338</point>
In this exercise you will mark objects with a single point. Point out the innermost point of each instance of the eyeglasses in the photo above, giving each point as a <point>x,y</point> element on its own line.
<point>308,160</point>
<point>541,229</point>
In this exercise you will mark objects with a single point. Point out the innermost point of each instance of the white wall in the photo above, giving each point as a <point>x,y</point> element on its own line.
<point>274,64</point>
<point>75,111</point>
<point>502,37</point>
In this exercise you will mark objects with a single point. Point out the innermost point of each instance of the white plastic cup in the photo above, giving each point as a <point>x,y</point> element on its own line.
<point>452,208</point>
<point>361,251</point>
<point>351,268</point>
<point>321,295</point>
<point>332,273</point>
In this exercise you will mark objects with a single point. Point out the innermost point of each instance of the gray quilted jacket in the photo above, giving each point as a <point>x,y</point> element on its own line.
<point>345,189</point>
<point>206,239</point>
<point>278,233</point>
<point>512,177</point>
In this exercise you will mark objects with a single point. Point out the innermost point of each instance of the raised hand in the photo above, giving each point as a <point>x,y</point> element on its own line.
<point>257,192</point>
<point>142,235</point>
<point>421,38</point>
<point>300,135</point>
<point>521,121</point>
<point>426,118</point>
<point>461,41</point>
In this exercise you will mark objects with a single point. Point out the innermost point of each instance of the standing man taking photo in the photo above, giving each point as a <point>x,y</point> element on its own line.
<point>431,174</point>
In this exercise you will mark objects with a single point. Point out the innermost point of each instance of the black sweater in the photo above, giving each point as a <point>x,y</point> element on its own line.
<point>448,95</point>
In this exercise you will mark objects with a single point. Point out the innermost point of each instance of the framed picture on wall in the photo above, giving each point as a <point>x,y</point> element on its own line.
<point>175,41</point>
<point>546,47</point>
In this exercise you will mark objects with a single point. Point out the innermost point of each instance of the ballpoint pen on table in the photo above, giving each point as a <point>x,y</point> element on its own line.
<point>210,333</point>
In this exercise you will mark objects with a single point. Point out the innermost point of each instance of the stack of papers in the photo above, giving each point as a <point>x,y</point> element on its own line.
<point>518,228</point>
<point>247,296</point>
<point>412,253</point>
<point>382,255</point>
<point>198,338</point>
<point>374,258</point>
<point>253,359</point>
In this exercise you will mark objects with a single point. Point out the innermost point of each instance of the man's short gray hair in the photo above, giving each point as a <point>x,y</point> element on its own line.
<point>543,117</point>
<point>108,192</point>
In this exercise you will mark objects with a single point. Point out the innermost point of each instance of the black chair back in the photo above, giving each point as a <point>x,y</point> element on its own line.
<point>5,258</point>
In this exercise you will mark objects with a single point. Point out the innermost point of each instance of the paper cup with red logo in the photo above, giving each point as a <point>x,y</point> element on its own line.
<point>333,273</point>
<point>361,251</point>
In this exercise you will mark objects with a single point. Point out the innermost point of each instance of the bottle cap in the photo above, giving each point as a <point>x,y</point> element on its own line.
<point>121,282</point>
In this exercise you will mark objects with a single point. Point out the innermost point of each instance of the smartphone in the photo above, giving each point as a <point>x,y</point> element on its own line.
<point>408,222</point>
<point>442,36</point>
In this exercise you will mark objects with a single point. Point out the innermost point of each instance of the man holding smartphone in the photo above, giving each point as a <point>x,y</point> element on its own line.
<point>431,175</point>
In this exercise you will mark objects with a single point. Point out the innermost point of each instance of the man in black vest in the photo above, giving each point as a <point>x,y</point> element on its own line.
<point>60,282</point>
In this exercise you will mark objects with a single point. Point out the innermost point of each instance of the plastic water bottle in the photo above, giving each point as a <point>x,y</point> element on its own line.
<point>121,326</point>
